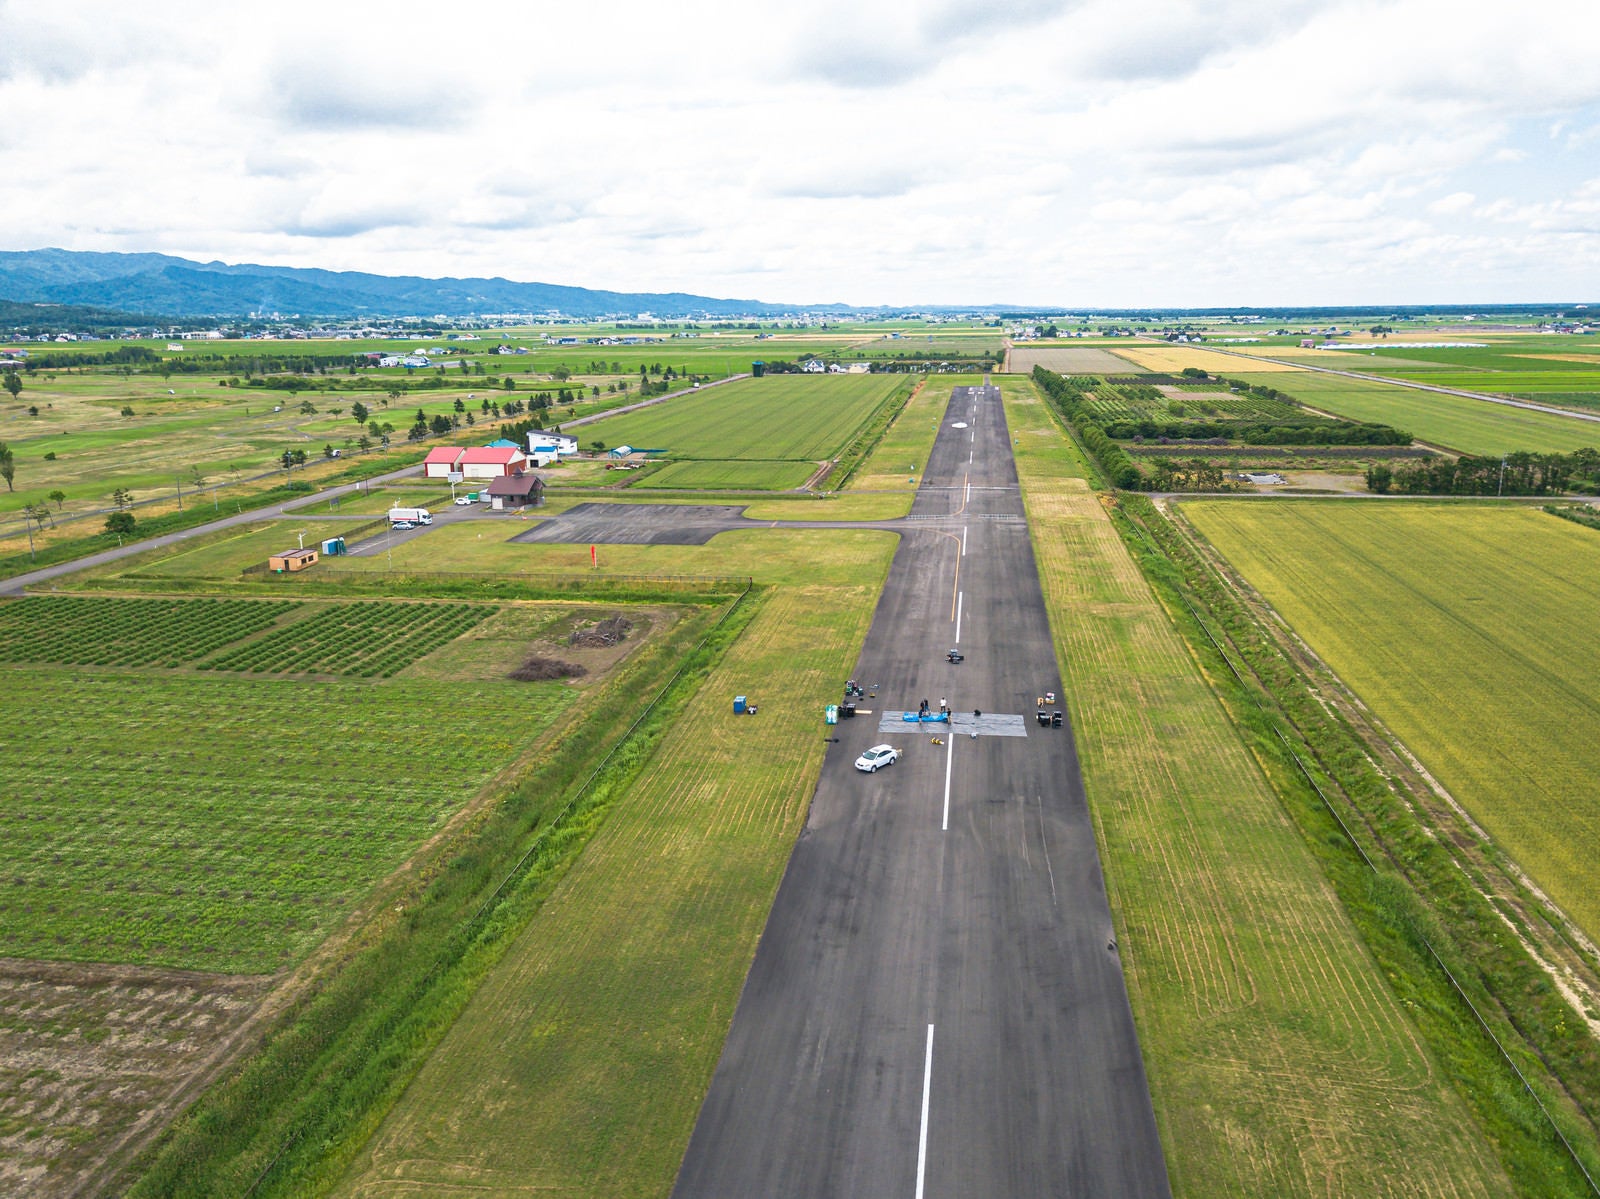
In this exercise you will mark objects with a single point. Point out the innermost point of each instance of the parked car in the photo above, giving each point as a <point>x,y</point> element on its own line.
<point>876,757</point>
<point>463,501</point>
<point>402,525</point>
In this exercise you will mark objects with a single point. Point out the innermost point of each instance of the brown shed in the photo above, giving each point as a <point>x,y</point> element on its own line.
<point>516,491</point>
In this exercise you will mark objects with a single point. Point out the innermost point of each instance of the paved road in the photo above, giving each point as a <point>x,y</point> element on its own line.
<point>19,583</point>
<point>937,1006</point>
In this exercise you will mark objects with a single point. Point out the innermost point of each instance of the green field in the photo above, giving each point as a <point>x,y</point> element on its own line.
<point>802,418</point>
<point>1279,1060</point>
<point>218,822</point>
<point>1468,631</point>
<point>1453,422</point>
<point>580,1064</point>
<point>749,475</point>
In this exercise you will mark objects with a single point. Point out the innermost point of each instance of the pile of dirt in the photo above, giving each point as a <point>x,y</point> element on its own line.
<point>538,669</point>
<point>602,635</point>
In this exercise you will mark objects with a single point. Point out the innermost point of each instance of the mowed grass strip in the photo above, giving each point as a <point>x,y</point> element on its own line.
<point>1469,632</point>
<point>580,1064</point>
<point>1455,422</point>
<point>792,417</point>
<point>1279,1061</point>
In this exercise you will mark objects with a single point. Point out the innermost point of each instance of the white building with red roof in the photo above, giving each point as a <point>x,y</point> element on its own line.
<point>442,462</point>
<point>491,462</point>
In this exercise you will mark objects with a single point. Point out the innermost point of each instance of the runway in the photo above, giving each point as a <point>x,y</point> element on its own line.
<point>937,1007</point>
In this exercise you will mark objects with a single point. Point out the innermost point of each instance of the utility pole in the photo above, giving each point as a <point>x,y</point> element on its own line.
<point>1501,490</point>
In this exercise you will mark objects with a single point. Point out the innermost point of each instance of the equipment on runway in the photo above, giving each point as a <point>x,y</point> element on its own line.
<point>954,655</point>
<point>937,740</point>
<point>831,714</point>
<point>1044,718</point>
<point>847,710</point>
<point>1055,719</point>
<point>852,690</point>
<point>925,717</point>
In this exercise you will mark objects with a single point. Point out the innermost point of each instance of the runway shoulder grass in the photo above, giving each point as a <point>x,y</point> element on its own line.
<point>1468,632</point>
<point>581,1063</point>
<point>1279,1061</point>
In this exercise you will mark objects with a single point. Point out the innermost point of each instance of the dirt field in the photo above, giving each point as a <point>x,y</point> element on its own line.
<point>90,1053</point>
<point>1071,360</point>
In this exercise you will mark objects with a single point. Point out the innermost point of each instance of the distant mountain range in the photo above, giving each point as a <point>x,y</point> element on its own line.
<point>183,288</point>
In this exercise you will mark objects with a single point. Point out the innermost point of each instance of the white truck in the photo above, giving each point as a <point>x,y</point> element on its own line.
<point>409,516</point>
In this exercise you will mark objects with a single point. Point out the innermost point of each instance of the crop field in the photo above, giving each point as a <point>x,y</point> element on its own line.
<point>127,632</point>
<point>1467,631</point>
<point>217,822</point>
<point>1172,359</point>
<point>1279,1061</point>
<point>580,1065</point>
<point>358,639</point>
<point>1455,422</point>
<point>226,824</point>
<point>781,417</point>
<point>1070,360</point>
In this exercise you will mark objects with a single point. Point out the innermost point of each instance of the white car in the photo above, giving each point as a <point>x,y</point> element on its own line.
<point>463,501</point>
<point>876,757</point>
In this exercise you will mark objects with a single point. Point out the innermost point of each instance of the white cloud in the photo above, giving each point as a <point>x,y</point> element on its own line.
<point>1070,151</point>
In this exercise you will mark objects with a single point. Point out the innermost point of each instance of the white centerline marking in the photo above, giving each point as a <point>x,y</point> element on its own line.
<point>949,750</point>
<point>963,541</point>
<point>959,596</point>
<point>922,1142</point>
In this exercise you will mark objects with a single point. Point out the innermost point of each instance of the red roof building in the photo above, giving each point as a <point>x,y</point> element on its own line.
<point>491,462</point>
<point>442,462</point>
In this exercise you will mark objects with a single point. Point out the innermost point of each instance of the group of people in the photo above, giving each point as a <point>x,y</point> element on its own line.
<point>944,708</point>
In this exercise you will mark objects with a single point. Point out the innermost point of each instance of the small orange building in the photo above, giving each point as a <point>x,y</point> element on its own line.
<point>292,560</point>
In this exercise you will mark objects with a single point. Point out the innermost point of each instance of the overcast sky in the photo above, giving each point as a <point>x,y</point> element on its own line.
<point>1074,152</point>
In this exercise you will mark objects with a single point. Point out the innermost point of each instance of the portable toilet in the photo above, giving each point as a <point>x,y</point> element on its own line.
<point>738,705</point>
<point>333,546</point>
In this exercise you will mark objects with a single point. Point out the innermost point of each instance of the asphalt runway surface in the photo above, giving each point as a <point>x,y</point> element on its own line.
<point>937,1006</point>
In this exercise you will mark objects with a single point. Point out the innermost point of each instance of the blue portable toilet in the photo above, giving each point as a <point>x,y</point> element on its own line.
<point>738,705</point>
<point>333,546</point>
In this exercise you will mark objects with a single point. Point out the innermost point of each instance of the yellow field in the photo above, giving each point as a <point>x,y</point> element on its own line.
<point>1469,632</point>
<point>1280,1063</point>
<point>1172,359</point>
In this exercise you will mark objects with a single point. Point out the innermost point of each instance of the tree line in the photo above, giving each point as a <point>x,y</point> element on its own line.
<point>1520,473</point>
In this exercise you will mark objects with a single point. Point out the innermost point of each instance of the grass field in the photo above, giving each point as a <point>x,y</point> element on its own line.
<point>1455,422</point>
<point>1467,631</point>
<point>801,418</point>
<point>743,475</point>
<point>580,1064</point>
<point>1279,1061</point>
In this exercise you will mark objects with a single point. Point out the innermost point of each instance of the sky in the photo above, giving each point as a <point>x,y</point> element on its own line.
<point>1072,153</point>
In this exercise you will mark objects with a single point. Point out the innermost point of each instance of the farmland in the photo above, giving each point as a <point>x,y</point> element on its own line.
<point>1464,631</point>
<point>1454,422</point>
<point>1069,360</point>
<point>1266,1028</point>
<point>794,418</point>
